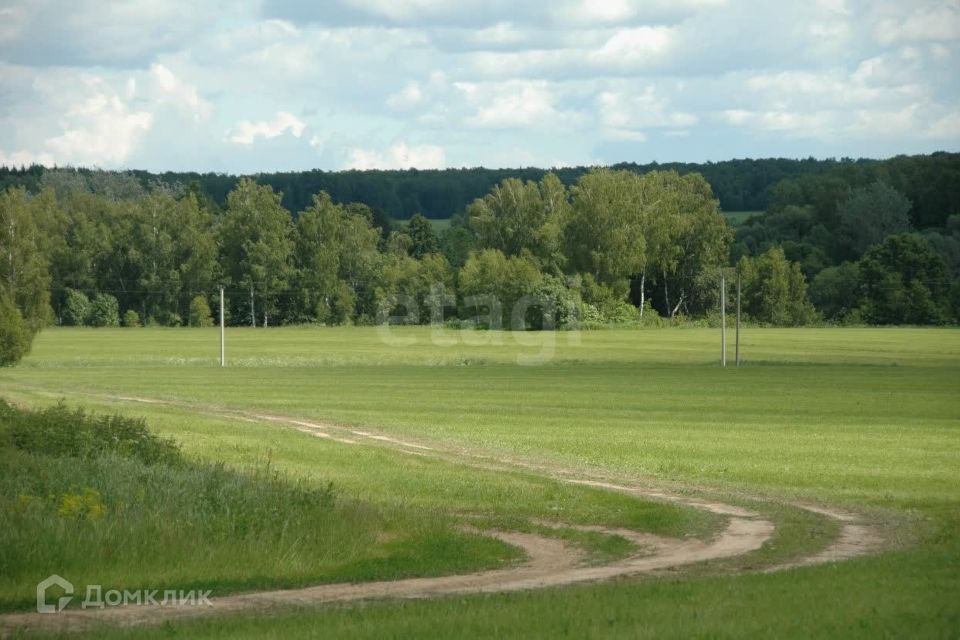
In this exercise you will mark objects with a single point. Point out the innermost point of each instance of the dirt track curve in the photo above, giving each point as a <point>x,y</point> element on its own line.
<point>550,562</point>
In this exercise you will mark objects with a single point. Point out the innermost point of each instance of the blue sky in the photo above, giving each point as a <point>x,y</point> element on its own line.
<point>268,85</point>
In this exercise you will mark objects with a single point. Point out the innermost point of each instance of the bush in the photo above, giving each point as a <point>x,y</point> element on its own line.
<point>200,315</point>
<point>104,311</point>
<point>623,313</point>
<point>131,318</point>
<point>59,431</point>
<point>15,335</point>
<point>76,308</point>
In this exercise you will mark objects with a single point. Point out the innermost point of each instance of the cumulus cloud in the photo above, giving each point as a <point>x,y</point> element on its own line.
<point>85,121</point>
<point>101,129</point>
<point>625,114</point>
<point>513,104</point>
<point>940,21</point>
<point>172,90</point>
<point>631,47</point>
<point>409,96</point>
<point>89,32</point>
<point>295,83</point>
<point>398,156</point>
<point>247,132</point>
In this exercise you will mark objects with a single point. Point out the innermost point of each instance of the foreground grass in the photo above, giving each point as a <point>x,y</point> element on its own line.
<point>887,597</point>
<point>126,519</point>
<point>864,418</point>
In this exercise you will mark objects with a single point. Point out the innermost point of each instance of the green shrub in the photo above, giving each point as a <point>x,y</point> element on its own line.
<point>200,315</point>
<point>131,318</point>
<point>76,308</point>
<point>104,311</point>
<point>59,431</point>
<point>15,335</point>
<point>622,313</point>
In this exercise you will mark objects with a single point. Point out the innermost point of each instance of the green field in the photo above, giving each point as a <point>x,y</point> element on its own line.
<point>440,224</point>
<point>736,218</point>
<point>863,419</point>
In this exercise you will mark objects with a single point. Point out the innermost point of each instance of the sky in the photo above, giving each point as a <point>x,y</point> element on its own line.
<point>269,85</point>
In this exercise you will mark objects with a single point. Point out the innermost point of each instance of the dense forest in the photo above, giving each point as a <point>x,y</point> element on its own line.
<point>739,185</point>
<point>848,242</point>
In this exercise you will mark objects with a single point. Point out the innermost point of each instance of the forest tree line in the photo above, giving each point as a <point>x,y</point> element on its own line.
<point>616,246</point>
<point>931,182</point>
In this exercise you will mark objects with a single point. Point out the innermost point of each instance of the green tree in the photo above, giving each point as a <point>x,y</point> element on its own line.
<point>338,260</point>
<point>835,291</point>
<point>15,335</point>
<point>627,226</point>
<point>457,241</point>
<point>76,308</point>
<point>420,282</point>
<point>175,253</point>
<point>497,282</point>
<point>130,318</point>
<point>687,243</point>
<point>256,241</point>
<point>423,237</point>
<point>606,237</point>
<point>200,315</point>
<point>869,214</point>
<point>24,271</point>
<point>517,217</point>
<point>904,282</point>
<point>104,311</point>
<point>774,290</point>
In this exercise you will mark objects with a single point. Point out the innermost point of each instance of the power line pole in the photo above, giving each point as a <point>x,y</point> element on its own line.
<point>738,318</point>
<point>253,315</point>
<point>223,353</point>
<point>723,322</point>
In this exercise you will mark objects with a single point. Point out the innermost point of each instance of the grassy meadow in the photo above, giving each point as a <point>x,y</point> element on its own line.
<point>867,419</point>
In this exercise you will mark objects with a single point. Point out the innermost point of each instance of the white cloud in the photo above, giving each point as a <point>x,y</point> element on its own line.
<point>932,22</point>
<point>172,90</point>
<point>101,129</point>
<point>800,124</point>
<point>25,159</point>
<point>947,127</point>
<point>398,156</point>
<point>246,132</point>
<point>484,81</point>
<point>82,121</point>
<point>409,96</point>
<point>621,110</point>
<point>90,32</point>
<point>631,47</point>
<point>513,104</point>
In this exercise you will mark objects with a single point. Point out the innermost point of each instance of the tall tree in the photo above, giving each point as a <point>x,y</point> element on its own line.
<point>690,240</point>
<point>774,290</point>
<point>870,214</point>
<point>257,248</point>
<point>423,237</point>
<point>606,236</point>
<point>24,272</point>
<point>337,259</point>
<point>517,217</point>
<point>904,282</point>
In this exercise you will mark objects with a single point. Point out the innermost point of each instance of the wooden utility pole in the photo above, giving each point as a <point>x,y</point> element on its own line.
<point>253,315</point>
<point>723,322</point>
<point>223,353</point>
<point>738,318</point>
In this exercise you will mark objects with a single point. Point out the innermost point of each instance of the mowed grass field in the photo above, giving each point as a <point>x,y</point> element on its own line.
<point>867,419</point>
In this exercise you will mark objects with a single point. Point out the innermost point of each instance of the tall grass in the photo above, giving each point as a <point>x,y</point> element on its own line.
<point>125,509</point>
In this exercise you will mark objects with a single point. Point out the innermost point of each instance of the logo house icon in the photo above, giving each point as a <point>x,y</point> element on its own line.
<point>53,581</point>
